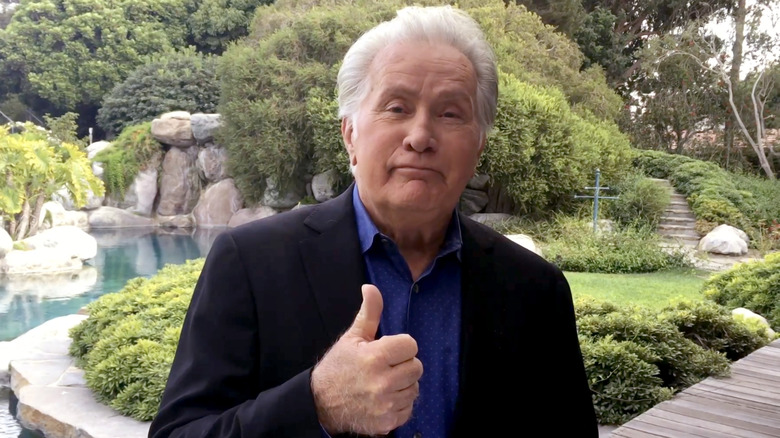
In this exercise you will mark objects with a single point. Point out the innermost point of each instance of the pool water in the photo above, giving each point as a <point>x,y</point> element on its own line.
<point>30,301</point>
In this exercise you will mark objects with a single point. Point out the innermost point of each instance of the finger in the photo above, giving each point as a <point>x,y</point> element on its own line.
<point>396,349</point>
<point>405,374</point>
<point>367,320</point>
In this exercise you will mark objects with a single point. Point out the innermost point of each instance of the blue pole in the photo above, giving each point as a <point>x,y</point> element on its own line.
<point>596,202</point>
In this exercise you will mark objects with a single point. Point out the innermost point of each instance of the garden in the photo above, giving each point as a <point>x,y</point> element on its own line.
<point>580,90</point>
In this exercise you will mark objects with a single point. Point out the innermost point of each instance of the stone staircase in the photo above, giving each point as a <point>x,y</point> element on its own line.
<point>678,224</point>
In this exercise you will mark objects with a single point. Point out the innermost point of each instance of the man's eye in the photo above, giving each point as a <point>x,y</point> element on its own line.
<point>450,114</point>
<point>396,109</point>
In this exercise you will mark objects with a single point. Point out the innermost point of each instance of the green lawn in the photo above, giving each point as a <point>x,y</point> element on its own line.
<point>655,290</point>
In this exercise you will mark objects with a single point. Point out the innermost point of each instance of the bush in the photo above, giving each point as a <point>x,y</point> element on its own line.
<point>641,202</point>
<point>636,358</point>
<point>127,344</point>
<point>715,195</point>
<point>573,246</point>
<point>278,88</point>
<point>754,285</point>
<point>183,80</point>
<point>542,153</point>
<point>130,153</point>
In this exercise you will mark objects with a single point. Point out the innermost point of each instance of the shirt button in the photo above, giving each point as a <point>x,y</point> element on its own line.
<point>418,435</point>
<point>415,289</point>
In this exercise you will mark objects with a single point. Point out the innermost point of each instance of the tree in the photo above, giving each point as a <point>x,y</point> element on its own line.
<point>215,23</point>
<point>34,165</point>
<point>64,56</point>
<point>712,57</point>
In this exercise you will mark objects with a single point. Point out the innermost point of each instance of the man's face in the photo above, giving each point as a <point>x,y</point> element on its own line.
<point>418,139</point>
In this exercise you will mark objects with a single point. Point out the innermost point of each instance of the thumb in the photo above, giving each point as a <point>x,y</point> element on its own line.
<point>368,317</point>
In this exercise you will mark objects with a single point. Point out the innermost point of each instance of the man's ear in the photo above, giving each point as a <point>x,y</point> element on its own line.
<point>482,143</point>
<point>347,133</point>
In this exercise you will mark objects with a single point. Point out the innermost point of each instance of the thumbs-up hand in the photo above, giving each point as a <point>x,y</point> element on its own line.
<point>364,385</point>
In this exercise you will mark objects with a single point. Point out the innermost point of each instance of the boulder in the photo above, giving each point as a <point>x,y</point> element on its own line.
<point>70,239</point>
<point>246,215</point>
<point>110,217</point>
<point>217,204</point>
<point>203,126</point>
<point>723,240</point>
<point>6,243</point>
<point>323,185</point>
<point>174,129</point>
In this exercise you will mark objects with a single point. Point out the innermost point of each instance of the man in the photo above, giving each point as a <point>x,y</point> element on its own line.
<point>384,310</point>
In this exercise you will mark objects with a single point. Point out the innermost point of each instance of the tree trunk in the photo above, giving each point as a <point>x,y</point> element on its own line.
<point>740,14</point>
<point>22,230</point>
<point>36,215</point>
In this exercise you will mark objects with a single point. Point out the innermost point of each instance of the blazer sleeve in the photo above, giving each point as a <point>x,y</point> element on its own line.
<point>213,388</point>
<point>574,396</point>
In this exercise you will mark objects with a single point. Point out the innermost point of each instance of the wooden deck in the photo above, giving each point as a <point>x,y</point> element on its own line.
<point>744,405</point>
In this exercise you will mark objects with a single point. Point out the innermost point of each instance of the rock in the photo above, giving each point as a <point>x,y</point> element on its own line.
<point>741,234</point>
<point>246,215</point>
<point>6,243</point>
<point>747,314</point>
<point>525,241</point>
<point>67,238</point>
<point>54,215</point>
<point>274,199</point>
<point>180,183</point>
<point>217,205</point>
<point>211,163</point>
<point>38,261</point>
<point>478,182</point>
<point>96,147</point>
<point>174,129</point>
<point>142,192</point>
<point>473,201</point>
<point>203,126</point>
<point>723,240</point>
<point>110,217</point>
<point>178,221</point>
<point>323,185</point>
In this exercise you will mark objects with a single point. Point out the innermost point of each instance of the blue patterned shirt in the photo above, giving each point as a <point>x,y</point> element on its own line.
<point>427,309</point>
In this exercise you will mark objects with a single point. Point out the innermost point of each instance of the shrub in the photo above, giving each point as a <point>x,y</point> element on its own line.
<point>542,153</point>
<point>641,202</point>
<point>278,85</point>
<point>712,326</point>
<point>131,152</point>
<point>573,246</point>
<point>754,285</point>
<point>182,80</point>
<point>127,344</point>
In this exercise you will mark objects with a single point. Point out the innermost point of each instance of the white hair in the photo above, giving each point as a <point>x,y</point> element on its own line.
<point>434,25</point>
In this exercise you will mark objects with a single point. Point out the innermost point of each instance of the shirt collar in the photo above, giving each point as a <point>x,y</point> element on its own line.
<point>367,230</point>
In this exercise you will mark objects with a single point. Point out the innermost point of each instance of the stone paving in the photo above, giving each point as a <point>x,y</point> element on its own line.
<point>53,397</point>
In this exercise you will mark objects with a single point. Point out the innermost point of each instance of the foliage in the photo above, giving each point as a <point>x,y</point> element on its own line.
<point>34,166</point>
<point>601,45</point>
<point>573,246</point>
<point>177,80</point>
<point>127,155</point>
<point>754,285</point>
<point>636,357</point>
<point>126,345</point>
<point>542,152</point>
<point>216,23</point>
<point>278,84</point>
<point>64,56</point>
<point>63,128</point>
<point>640,201</point>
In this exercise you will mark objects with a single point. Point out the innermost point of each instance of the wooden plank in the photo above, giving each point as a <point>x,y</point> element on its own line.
<point>751,383</point>
<point>709,428</point>
<point>771,361</point>
<point>760,363</point>
<point>741,392</point>
<point>741,427</point>
<point>763,407</point>
<point>767,353</point>
<point>759,369</point>
<point>748,372</point>
<point>671,428</point>
<point>742,413</point>
<point>624,432</point>
<point>739,378</point>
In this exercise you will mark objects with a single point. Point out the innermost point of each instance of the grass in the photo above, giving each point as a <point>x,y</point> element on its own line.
<point>655,290</point>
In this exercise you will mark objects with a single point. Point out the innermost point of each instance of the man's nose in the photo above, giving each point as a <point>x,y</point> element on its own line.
<point>420,137</point>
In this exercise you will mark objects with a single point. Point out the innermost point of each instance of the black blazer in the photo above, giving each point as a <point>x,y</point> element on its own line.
<point>276,293</point>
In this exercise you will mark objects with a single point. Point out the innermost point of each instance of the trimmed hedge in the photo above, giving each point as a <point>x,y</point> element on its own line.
<point>754,285</point>
<point>634,357</point>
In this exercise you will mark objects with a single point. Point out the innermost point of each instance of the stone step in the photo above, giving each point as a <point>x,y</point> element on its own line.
<point>677,220</point>
<point>682,203</point>
<point>683,234</point>
<point>682,238</point>
<point>679,212</point>
<point>682,229</point>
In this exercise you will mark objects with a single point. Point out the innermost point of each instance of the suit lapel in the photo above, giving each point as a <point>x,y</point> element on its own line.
<point>333,262</point>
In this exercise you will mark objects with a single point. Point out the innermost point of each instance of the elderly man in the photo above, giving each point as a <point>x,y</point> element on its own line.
<point>385,310</point>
